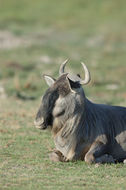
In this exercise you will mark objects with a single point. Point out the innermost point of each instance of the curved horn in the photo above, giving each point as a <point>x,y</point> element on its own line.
<point>62,67</point>
<point>87,75</point>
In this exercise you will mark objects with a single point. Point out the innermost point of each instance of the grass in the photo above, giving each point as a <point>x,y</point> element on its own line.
<point>24,158</point>
<point>35,37</point>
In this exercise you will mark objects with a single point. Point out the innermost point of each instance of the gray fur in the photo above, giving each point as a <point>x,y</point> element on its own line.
<point>84,130</point>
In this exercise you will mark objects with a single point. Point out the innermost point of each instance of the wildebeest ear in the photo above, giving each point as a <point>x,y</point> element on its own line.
<point>49,80</point>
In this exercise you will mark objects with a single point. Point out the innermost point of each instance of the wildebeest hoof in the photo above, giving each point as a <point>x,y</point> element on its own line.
<point>56,156</point>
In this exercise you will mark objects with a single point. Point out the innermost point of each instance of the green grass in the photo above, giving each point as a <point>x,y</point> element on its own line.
<point>35,37</point>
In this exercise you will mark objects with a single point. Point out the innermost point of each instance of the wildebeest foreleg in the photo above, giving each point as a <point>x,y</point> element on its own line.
<point>97,154</point>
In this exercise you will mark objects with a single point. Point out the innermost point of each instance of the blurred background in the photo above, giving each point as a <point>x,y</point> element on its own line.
<point>37,36</point>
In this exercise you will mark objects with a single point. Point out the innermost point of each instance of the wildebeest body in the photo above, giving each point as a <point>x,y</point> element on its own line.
<point>108,121</point>
<point>81,129</point>
<point>99,122</point>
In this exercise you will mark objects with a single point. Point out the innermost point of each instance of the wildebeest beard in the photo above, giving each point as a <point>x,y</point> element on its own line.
<point>46,108</point>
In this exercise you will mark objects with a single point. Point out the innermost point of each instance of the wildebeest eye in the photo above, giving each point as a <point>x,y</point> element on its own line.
<point>60,113</point>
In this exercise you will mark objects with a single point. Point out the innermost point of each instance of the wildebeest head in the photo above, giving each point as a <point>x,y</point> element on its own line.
<point>62,99</point>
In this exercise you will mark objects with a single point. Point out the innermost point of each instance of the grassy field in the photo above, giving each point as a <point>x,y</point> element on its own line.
<point>35,37</point>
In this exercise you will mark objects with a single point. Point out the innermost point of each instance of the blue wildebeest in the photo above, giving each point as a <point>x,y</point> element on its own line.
<point>81,129</point>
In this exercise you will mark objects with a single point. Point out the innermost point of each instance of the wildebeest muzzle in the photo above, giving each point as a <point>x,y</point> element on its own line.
<point>40,124</point>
